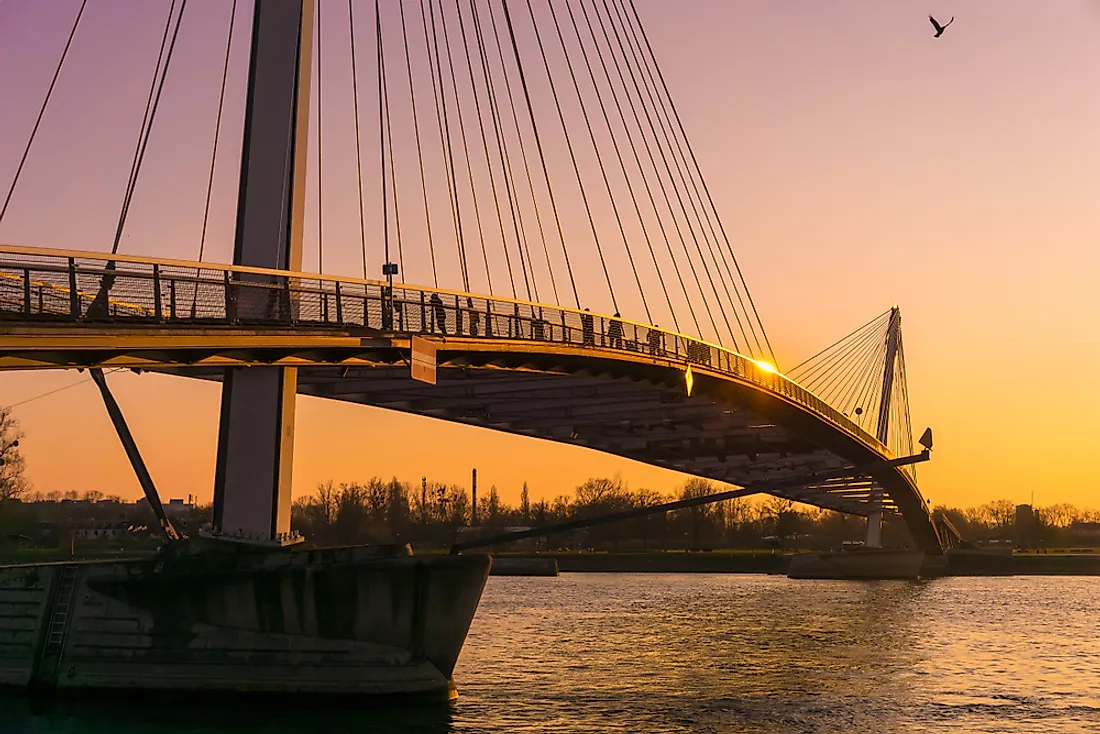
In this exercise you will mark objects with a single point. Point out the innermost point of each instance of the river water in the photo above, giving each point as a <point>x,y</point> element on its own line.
<point>722,653</point>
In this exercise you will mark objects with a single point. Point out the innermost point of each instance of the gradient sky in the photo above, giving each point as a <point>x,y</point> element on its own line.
<point>855,160</point>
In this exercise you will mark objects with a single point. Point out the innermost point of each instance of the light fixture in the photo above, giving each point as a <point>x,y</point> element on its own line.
<point>926,439</point>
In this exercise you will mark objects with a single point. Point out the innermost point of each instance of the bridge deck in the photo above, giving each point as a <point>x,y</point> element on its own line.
<point>590,379</point>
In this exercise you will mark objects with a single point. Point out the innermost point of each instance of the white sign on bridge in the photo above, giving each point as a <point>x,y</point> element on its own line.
<point>423,360</point>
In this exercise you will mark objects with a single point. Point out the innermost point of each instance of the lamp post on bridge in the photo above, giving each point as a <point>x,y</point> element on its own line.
<point>389,270</point>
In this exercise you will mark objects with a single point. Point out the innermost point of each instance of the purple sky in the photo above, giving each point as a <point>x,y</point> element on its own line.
<point>855,160</point>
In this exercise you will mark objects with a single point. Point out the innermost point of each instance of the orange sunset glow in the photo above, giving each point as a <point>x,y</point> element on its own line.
<point>855,162</point>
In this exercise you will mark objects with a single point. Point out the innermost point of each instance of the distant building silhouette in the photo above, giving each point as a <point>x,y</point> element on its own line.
<point>1027,527</point>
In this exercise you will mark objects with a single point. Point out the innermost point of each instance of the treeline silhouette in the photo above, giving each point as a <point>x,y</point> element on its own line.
<point>430,514</point>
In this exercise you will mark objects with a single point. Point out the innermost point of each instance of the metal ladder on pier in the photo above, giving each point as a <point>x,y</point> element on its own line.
<point>60,616</point>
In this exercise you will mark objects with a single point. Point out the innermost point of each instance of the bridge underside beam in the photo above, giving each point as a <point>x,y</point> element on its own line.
<point>695,436</point>
<point>626,404</point>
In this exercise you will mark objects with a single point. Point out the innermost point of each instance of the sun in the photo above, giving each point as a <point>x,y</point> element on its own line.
<point>766,366</point>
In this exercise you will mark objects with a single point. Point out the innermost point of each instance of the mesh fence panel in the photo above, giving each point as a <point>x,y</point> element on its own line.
<point>38,286</point>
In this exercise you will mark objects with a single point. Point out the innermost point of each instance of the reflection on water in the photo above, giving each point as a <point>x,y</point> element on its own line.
<point>710,653</point>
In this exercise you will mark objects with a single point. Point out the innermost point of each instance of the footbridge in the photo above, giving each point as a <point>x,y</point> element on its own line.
<point>516,157</point>
<point>593,380</point>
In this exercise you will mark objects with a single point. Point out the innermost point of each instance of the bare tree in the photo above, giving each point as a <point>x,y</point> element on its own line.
<point>13,480</point>
<point>493,505</point>
<point>525,504</point>
<point>700,515</point>
<point>781,512</point>
<point>1002,513</point>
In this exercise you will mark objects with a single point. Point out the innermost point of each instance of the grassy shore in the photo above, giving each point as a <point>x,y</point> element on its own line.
<point>776,562</point>
<point>1052,562</point>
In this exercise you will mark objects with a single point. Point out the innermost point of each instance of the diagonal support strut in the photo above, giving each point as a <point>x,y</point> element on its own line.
<point>758,488</point>
<point>134,456</point>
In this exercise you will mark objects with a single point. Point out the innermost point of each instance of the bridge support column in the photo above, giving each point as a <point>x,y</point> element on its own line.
<point>252,482</point>
<point>882,428</point>
<point>874,527</point>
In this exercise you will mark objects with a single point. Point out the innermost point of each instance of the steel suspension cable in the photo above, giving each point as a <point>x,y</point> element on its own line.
<point>848,396</point>
<point>857,364</point>
<point>99,302</point>
<point>838,380</point>
<point>60,389</point>
<point>488,161</point>
<point>320,200</point>
<point>646,135</point>
<point>538,143</point>
<point>42,110</point>
<point>706,189</point>
<point>569,147</point>
<point>866,393</point>
<point>906,445</point>
<point>686,216</point>
<point>896,434</point>
<point>650,65</point>
<point>419,147</point>
<point>358,139</point>
<point>214,155</point>
<point>794,370</point>
<point>652,162</point>
<point>825,366</point>
<point>506,161</point>
<point>382,141</point>
<point>852,365</point>
<point>389,143</point>
<point>713,248</point>
<point>869,364</point>
<point>462,137</point>
<point>633,148</point>
<point>526,163</point>
<point>595,148</point>
<point>818,382</point>
<point>905,396</point>
<point>592,138</point>
<point>445,138</point>
<point>217,129</point>
<point>159,76</point>
<point>812,373</point>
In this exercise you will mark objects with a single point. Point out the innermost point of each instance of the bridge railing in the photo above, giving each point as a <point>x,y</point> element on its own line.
<point>49,285</point>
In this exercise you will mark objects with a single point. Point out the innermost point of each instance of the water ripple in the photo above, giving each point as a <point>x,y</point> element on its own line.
<point>723,653</point>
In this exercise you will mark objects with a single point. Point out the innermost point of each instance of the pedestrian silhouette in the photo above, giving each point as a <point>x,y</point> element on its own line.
<point>475,317</point>
<point>387,307</point>
<point>440,313</point>
<point>655,339</point>
<point>588,329</point>
<point>615,333</point>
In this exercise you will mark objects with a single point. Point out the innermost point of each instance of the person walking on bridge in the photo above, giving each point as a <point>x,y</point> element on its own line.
<point>475,317</point>
<point>615,333</point>
<point>440,313</point>
<point>655,339</point>
<point>588,329</point>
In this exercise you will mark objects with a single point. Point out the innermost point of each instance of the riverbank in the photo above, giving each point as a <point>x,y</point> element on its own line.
<point>664,562</point>
<point>959,562</point>
<point>776,562</point>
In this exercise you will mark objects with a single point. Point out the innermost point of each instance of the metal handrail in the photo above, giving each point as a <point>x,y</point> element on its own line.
<point>229,293</point>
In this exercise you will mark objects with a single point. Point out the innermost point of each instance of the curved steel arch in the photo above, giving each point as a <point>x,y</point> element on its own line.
<point>610,384</point>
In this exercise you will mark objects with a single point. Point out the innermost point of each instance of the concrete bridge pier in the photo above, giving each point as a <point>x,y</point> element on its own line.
<point>252,481</point>
<point>874,521</point>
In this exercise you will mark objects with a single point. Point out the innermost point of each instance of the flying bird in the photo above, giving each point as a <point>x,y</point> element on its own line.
<point>940,28</point>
